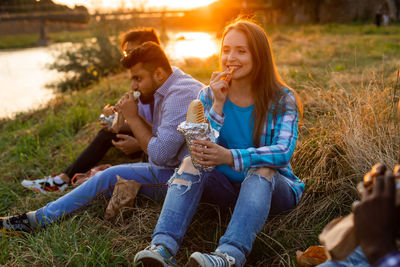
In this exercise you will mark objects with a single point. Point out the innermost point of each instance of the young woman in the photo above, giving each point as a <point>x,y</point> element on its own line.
<point>256,115</point>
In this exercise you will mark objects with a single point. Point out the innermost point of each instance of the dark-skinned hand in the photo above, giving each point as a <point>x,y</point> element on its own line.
<point>376,218</point>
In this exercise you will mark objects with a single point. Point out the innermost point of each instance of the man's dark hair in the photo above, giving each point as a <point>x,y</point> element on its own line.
<point>139,35</point>
<point>150,54</point>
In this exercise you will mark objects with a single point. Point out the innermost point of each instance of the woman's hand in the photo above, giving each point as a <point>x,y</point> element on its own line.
<point>208,153</point>
<point>219,87</point>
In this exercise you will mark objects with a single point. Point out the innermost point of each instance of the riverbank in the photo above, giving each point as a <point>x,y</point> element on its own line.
<point>347,78</point>
<point>15,41</point>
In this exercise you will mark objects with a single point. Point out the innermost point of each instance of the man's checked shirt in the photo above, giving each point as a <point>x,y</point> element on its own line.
<point>171,101</point>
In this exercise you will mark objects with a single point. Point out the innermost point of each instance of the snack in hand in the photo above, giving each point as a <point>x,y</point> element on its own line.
<point>107,116</point>
<point>195,113</point>
<point>196,128</point>
<point>119,120</point>
<point>228,77</point>
<point>108,110</point>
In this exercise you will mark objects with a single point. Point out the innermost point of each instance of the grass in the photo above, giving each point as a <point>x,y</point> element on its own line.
<point>348,80</point>
<point>29,40</point>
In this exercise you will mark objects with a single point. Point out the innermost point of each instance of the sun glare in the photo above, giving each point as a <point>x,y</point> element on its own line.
<point>115,4</point>
<point>191,44</point>
<point>179,4</point>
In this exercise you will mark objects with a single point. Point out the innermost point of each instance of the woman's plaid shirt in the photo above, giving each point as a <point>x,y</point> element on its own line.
<point>277,142</point>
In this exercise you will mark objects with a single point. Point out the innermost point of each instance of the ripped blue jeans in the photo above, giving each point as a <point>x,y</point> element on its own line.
<point>152,178</point>
<point>255,200</point>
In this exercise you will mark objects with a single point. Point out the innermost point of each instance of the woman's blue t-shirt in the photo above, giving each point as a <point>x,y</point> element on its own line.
<point>236,132</point>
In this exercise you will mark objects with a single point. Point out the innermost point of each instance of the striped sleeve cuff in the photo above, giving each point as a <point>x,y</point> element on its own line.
<point>216,120</point>
<point>241,159</point>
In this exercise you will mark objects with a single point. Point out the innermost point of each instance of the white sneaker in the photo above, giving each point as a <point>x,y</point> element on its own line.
<point>154,256</point>
<point>215,259</point>
<point>45,185</point>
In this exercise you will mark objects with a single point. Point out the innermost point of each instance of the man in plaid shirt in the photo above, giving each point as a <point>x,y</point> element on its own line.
<point>171,91</point>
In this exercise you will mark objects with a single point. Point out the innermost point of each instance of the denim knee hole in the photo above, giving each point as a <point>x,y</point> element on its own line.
<point>177,179</point>
<point>260,178</point>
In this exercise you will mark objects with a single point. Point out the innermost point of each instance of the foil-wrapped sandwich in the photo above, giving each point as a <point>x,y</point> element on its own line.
<point>110,117</point>
<point>196,128</point>
<point>107,116</point>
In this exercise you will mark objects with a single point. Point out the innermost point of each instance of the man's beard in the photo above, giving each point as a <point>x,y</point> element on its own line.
<point>150,98</point>
<point>147,99</point>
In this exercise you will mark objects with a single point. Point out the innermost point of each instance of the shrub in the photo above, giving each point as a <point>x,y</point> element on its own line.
<point>84,63</point>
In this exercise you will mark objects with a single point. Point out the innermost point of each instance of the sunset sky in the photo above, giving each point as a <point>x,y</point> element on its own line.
<point>114,4</point>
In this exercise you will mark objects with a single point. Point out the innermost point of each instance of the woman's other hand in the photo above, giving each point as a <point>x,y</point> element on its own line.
<point>219,87</point>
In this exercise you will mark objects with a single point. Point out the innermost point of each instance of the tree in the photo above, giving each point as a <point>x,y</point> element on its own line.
<point>393,9</point>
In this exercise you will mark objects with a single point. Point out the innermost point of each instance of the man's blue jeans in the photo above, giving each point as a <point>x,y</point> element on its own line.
<point>355,259</point>
<point>153,179</point>
<point>256,198</point>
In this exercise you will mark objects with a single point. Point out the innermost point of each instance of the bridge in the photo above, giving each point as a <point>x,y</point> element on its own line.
<point>81,15</point>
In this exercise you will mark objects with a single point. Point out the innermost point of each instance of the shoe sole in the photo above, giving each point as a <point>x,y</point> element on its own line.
<point>38,189</point>
<point>148,263</point>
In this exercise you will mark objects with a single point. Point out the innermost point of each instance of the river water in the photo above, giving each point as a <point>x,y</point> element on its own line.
<point>23,72</point>
<point>23,76</point>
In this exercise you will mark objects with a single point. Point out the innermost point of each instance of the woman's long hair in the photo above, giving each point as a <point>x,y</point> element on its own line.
<point>267,85</point>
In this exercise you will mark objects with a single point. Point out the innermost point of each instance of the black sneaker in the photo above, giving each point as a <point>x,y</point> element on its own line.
<point>15,224</point>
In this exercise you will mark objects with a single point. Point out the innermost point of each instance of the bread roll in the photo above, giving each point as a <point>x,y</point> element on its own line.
<point>195,113</point>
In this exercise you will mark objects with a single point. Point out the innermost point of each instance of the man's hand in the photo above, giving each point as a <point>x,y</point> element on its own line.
<point>126,143</point>
<point>375,219</point>
<point>127,106</point>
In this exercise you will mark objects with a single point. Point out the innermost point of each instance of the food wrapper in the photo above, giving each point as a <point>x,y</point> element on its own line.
<point>339,238</point>
<point>124,194</point>
<point>197,131</point>
<point>196,128</point>
<point>108,120</point>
